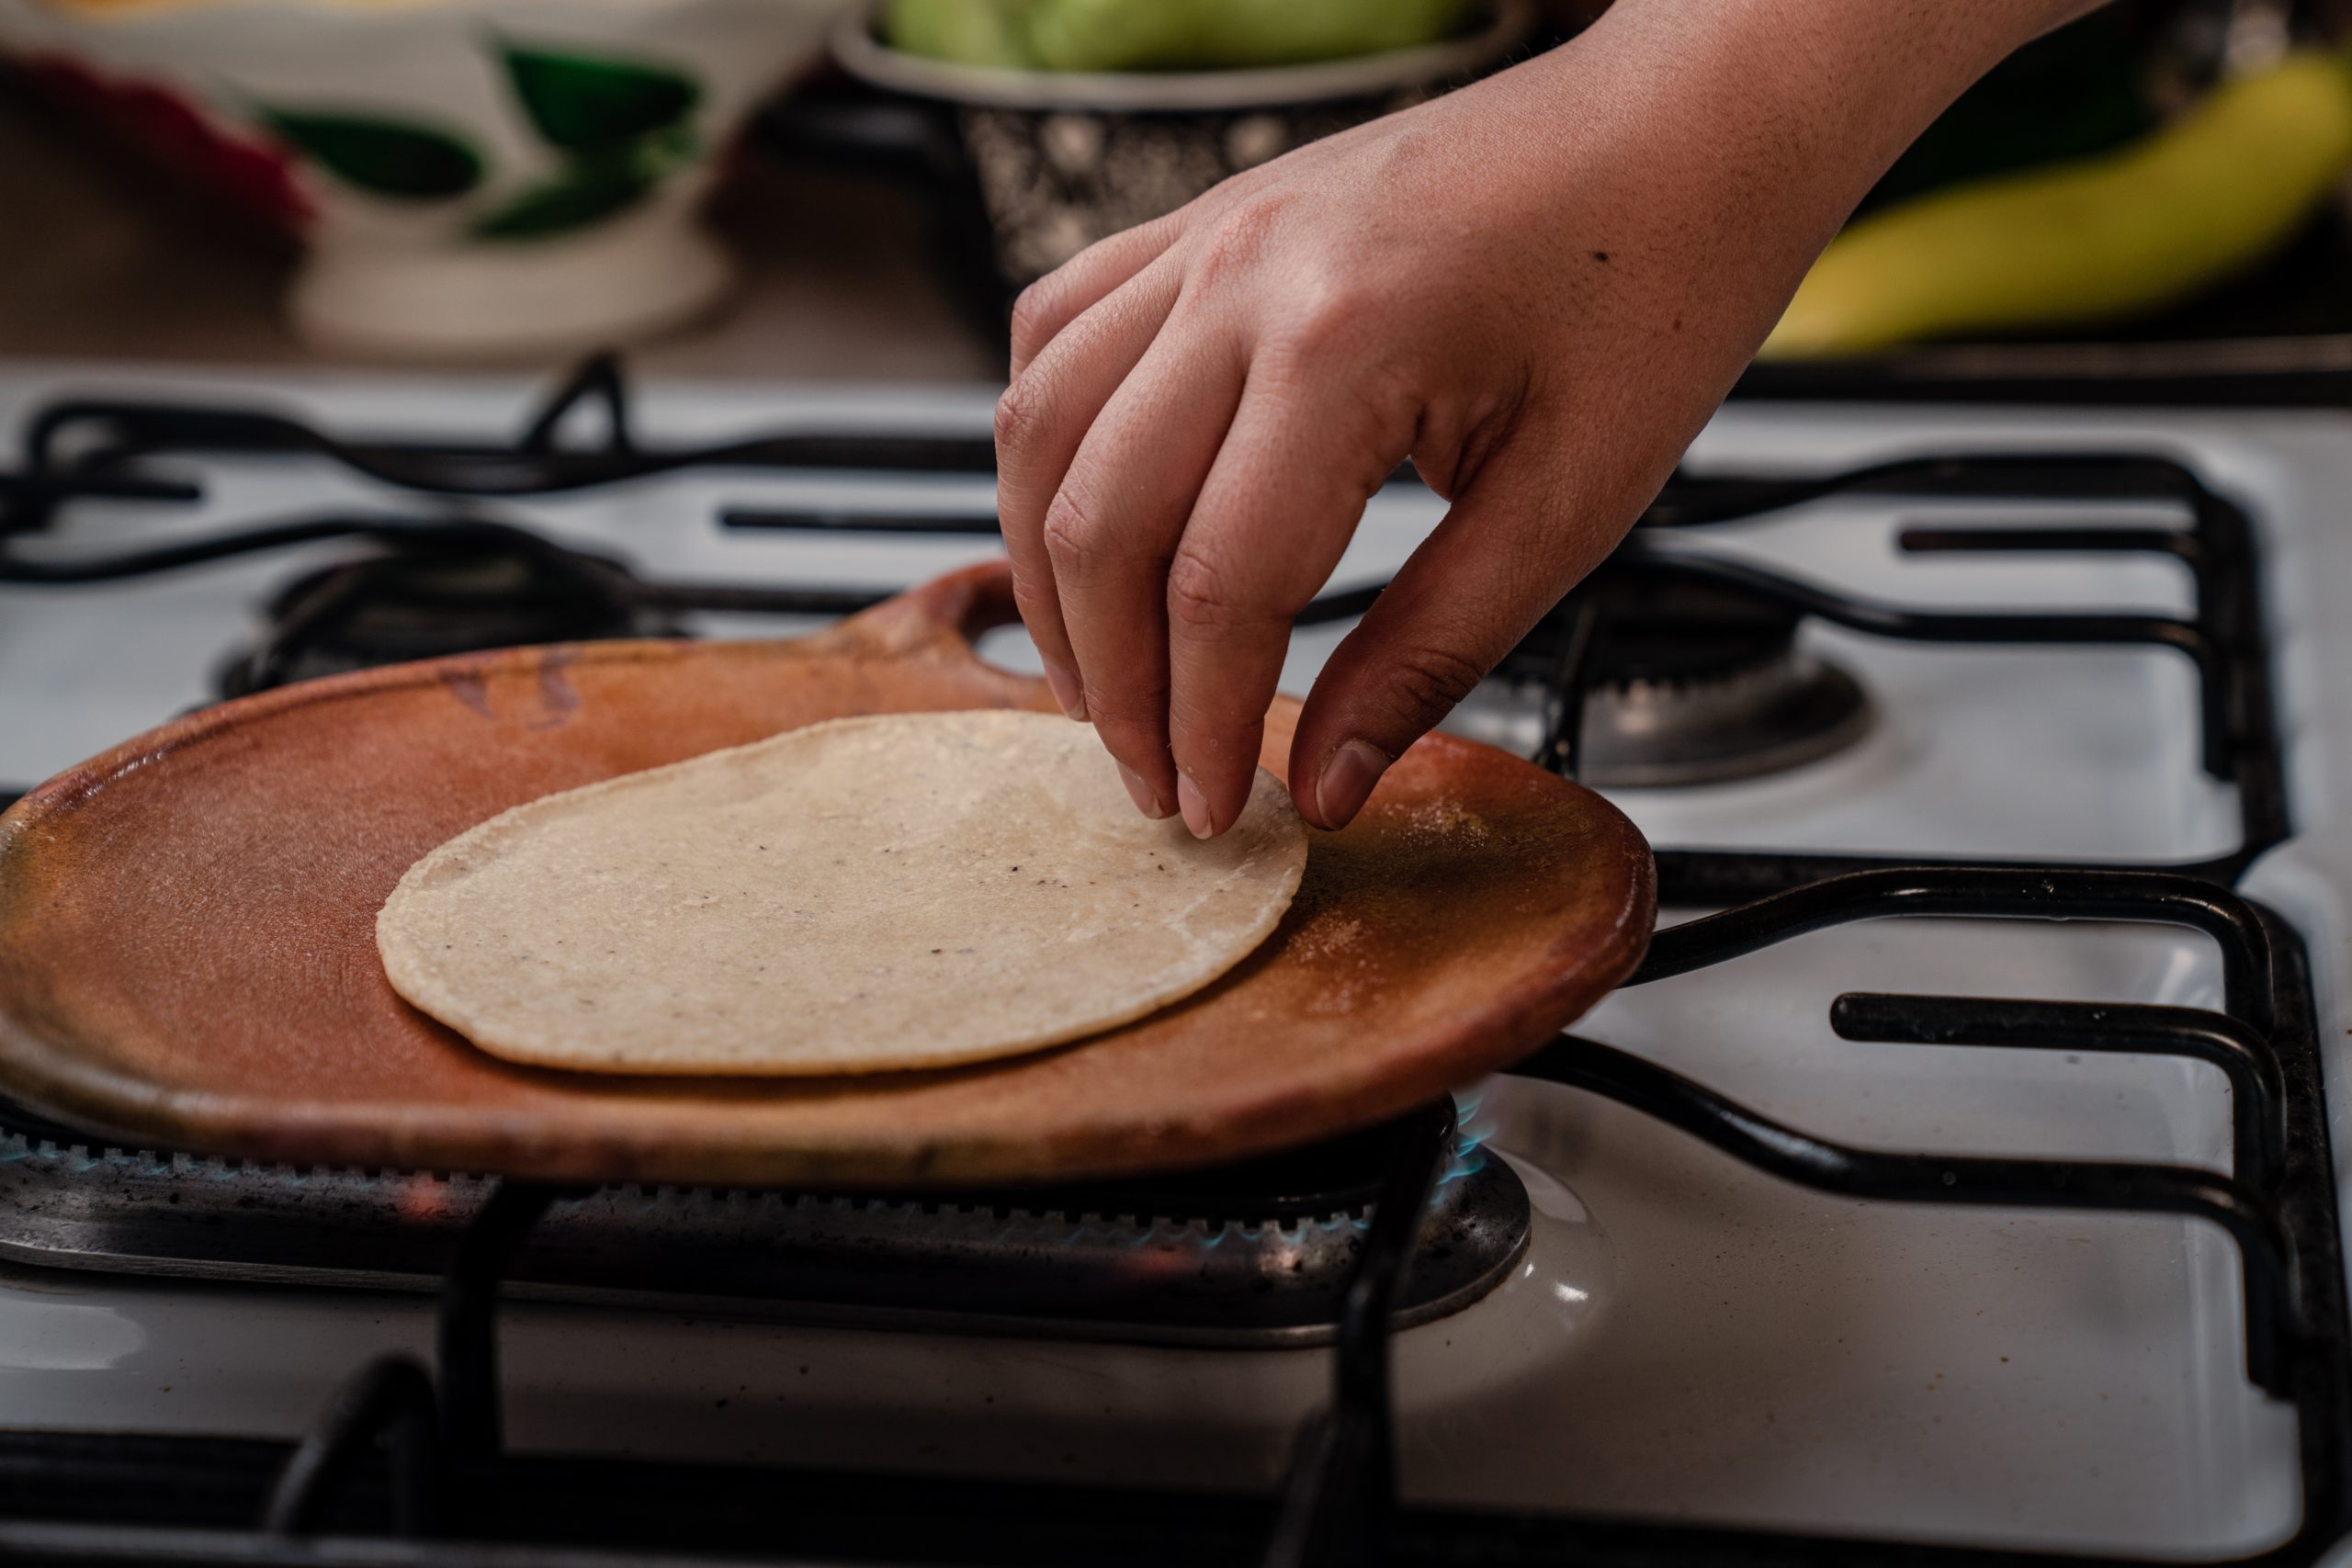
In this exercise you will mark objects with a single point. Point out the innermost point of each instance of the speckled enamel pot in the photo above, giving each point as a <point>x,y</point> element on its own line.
<point>474,178</point>
<point>1062,159</point>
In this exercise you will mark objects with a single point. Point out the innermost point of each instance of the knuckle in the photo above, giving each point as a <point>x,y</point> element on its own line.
<point>1020,413</point>
<point>1072,542</point>
<point>1032,313</point>
<point>1384,404</point>
<point>1134,709</point>
<point>1429,680</point>
<point>1340,317</point>
<point>1215,724</point>
<point>1200,593</point>
<point>1329,321</point>
<point>1127,704</point>
<point>1235,239</point>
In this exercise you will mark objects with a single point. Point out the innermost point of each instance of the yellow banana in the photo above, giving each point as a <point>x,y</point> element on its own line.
<point>2107,236</point>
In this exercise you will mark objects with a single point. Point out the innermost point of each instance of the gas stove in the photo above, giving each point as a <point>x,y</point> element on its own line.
<point>1953,1181</point>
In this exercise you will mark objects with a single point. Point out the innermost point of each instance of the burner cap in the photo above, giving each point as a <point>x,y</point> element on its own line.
<point>1788,710</point>
<point>1261,1254</point>
<point>422,599</point>
<point>1692,681</point>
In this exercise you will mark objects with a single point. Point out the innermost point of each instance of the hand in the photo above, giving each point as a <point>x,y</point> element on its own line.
<point>1537,289</point>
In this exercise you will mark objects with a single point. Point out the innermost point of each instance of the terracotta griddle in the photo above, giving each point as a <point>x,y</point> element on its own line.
<point>187,955</point>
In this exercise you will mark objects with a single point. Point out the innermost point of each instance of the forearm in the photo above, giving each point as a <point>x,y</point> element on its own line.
<point>1850,82</point>
<point>1776,115</point>
<point>1674,169</point>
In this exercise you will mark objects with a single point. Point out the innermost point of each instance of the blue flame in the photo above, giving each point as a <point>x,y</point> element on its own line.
<point>1471,1136</point>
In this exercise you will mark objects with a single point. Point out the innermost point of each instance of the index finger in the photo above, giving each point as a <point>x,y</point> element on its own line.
<point>1274,517</point>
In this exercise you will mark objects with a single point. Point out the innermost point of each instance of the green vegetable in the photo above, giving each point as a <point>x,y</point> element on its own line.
<point>1162,35</point>
<point>970,32</point>
<point>2101,237</point>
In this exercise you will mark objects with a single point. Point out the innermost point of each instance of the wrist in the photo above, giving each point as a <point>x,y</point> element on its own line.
<point>1844,84</point>
<point>1748,130</point>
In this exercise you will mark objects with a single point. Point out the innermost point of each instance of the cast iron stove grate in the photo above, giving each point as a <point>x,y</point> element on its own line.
<point>1606,639</point>
<point>443,1489</point>
<point>450,1493</point>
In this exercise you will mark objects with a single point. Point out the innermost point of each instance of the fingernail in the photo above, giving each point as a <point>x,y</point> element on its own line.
<point>1067,691</point>
<point>1140,793</point>
<point>1346,781</point>
<point>1196,807</point>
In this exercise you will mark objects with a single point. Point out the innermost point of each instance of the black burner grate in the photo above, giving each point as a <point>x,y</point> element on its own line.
<point>152,1499</point>
<point>1633,622</point>
<point>448,1493</point>
<point>432,596</point>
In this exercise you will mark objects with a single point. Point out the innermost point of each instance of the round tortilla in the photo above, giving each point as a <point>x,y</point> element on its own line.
<point>866,894</point>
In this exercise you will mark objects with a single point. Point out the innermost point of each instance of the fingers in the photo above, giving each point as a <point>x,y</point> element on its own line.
<point>1503,556</point>
<point>1278,508</point>
<point>1060,298</point>
<point>1111,529</point>
<point>1040,421</point>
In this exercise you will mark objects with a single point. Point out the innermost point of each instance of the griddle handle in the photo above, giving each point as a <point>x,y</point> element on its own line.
<point>942,622</point>
<point>943,616</point>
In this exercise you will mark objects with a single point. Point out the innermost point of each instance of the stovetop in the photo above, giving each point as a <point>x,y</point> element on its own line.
<point>1835,1345</point>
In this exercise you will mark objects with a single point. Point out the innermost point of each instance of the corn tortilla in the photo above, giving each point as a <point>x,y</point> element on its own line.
<point>866,895</point>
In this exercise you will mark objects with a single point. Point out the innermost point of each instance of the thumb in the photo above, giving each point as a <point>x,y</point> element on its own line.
<point>1505,553</point>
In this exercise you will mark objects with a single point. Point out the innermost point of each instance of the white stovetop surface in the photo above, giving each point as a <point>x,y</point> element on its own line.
<point>1686,1339</point>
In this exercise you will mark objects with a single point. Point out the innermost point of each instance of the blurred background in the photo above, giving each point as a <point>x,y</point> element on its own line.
<point>845,190</point>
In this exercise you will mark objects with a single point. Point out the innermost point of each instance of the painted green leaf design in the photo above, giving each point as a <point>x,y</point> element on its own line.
<point>583,195</point>
<point>412,162</point>
<point>666,150</point>
<point>579,102</point>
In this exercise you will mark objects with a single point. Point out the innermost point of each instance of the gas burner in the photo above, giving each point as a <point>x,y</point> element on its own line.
<point>417,598</point>
<point>1684,682</point>
<point>1793,708</point>
<point>1692,683</point>
<point>1258,1254</point>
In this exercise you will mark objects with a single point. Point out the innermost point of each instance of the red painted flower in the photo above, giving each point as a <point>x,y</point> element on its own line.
<point>255,174</point>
